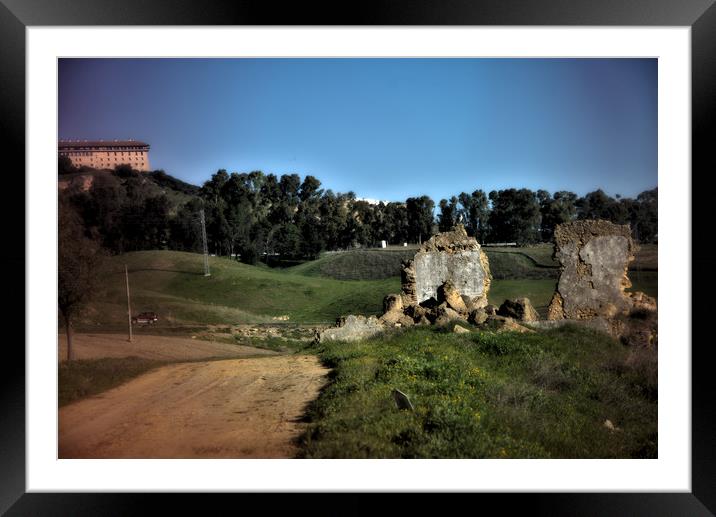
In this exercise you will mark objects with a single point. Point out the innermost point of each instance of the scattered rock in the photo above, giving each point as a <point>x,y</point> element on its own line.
<point>477,317</point>
<point>449,294</point>
<point>641,301</point>
<point>444,314</point>
<point>519,309</point>
<point>423,321</point>
<point>491,310</point>
<point>392,310</point>
<point>353,328</point>
<point>474,303</point>
<point>609,425</point>
<point>393,302</point>
<point>401,400</point>
<point>406,321</point>
<point>503,324</point>
<point>459,329</point>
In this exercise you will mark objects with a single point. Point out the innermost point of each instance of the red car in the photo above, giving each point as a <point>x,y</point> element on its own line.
<point>145,318</point>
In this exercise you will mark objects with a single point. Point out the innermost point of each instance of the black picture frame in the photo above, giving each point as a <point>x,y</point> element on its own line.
<point>16,15</point>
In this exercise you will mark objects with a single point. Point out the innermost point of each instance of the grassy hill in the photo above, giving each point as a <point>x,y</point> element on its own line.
<point>372,264</point>
<point>173,285</point>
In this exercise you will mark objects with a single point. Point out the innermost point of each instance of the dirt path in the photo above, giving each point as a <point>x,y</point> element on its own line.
<point>237,408</point>
<point>170,348</point>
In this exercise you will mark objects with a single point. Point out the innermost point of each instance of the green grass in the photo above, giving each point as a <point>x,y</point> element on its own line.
<point>172,284</point>
<point>539,254</point>
<point>375,264</point>
<point>370,264</point>
<point>645,281</point>
<point>484,395</point>
<point>517,265</point>
<point>86,377</point>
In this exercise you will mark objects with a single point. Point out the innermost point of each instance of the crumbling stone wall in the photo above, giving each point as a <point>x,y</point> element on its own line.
<point>447,257</point>
<point>595,257</point>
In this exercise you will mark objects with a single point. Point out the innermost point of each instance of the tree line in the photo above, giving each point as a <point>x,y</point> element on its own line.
<point>256,216</point>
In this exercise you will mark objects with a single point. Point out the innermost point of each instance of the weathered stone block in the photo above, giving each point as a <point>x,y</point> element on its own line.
<point>595,256</point>
<point>462,269</point>
<point>447,257</point>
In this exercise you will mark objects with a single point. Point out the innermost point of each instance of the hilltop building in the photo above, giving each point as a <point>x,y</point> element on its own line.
<point>106,154</point>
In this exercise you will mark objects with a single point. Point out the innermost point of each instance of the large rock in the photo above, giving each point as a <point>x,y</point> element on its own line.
<point>353,328</point>
<point>595,256</point>
<point>501,324</point>
<point>392,309</point>
<point>444,315</point>
<point>449,294</point>
<point>519,309</point>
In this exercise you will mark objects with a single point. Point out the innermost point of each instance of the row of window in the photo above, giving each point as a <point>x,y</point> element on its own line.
<point>114,149</point>
<point>82,153</point>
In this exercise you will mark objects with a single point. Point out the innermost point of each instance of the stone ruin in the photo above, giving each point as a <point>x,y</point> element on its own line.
<point>447,257</point>
<point>448,281</point>
<point>594,256</point>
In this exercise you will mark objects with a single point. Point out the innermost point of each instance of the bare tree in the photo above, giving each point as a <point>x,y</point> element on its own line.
<point>79,262</point>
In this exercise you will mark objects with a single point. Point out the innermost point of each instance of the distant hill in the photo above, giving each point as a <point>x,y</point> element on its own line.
<point>163,179</point>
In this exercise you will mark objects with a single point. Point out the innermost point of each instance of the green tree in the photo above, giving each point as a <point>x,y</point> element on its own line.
<point>419,211</point>
<point>555,209</point>
<point>79,265</point>
<point>448,214</point>
<point>515,216</point>
<point>65,165</point>
<point>475,211</point>
<point>645,224</point>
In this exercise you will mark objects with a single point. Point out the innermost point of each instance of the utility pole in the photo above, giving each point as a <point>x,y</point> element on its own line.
<point>206,247</point>
<point>129,307</point>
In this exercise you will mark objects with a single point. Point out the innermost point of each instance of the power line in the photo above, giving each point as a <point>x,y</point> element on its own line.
<point>129,307</point>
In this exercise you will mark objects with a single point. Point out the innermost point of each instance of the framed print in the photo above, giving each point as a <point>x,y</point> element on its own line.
<point>304,76</point>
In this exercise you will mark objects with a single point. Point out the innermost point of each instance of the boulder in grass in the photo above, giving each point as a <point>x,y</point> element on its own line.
<point>502,324</point>
<point>459,329</point>
<point>519,309</point>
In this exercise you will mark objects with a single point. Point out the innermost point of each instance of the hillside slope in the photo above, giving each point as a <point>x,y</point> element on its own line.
<point>374,264</point>
<point>172,284</point>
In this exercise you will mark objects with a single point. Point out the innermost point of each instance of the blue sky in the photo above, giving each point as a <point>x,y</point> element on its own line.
<point>384,128</point>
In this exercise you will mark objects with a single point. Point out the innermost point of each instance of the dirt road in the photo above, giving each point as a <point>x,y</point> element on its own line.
<point>170,348</point>
<point>236,408</point>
